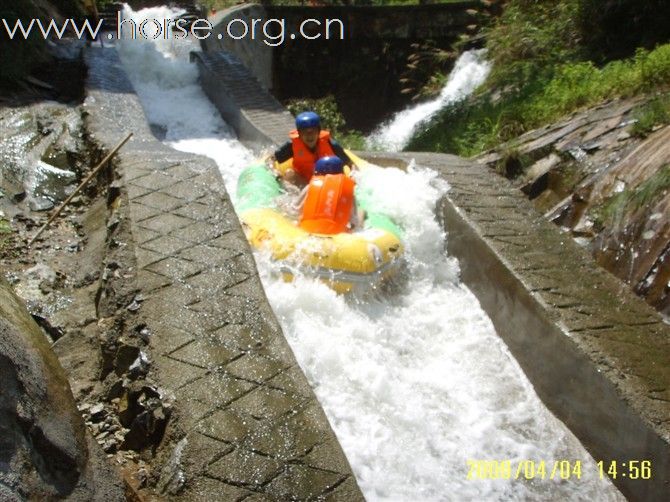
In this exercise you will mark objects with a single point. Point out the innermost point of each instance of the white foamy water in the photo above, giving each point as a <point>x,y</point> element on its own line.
<point>416,382</point>
<point>173,101</point>
<point>469,71</point>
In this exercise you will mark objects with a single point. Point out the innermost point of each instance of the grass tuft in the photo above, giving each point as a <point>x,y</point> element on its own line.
<point>655,112</point>
<point>628,201</point>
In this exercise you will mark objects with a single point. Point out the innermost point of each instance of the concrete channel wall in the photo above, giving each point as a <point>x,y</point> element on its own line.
<point>598,356</point>
<point>253,52</point>
<point>246,425</point>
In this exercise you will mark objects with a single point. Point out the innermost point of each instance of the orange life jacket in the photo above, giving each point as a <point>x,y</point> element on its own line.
<point>304,158</point>
<point>328,204</point>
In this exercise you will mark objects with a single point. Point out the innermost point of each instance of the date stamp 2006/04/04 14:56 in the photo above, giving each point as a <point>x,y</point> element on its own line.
<point>555,469</point>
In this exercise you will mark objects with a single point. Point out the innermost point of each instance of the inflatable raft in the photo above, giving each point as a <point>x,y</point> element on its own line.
<point>347,262</point>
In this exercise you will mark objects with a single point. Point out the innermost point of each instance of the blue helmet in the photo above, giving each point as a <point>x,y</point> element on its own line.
<point>329,165</point>
<point>307,119</point>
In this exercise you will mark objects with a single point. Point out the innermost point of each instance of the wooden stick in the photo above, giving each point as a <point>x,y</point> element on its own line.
<point>78,189</point>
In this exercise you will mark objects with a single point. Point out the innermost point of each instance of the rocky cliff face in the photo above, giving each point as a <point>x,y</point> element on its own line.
<point>45,452</point>
<point>607,182</point>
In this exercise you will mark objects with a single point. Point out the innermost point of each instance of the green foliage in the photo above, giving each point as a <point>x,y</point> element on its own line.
<point>644,195</point>
<point>353,140</point>
<point>651,189</point>
<point>331,119</point>
<point>651,114</point>
<point>550,58</point>
<point>614,29</point>
<point>530,38</point>
<point>470,127</point>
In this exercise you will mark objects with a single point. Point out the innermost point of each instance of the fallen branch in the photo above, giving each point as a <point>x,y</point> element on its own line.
<point>78,189</point>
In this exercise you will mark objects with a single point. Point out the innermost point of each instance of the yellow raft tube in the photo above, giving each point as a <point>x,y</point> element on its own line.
<point>347,262</point>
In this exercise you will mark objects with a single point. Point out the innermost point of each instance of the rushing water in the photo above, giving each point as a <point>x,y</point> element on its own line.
<point>470,70</point>
<point>415,383</point>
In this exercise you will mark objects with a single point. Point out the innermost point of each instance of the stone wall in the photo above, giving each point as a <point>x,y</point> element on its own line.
<point>364,63</point>
<point>429,21</point>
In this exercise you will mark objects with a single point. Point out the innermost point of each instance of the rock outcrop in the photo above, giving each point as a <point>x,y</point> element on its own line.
<point>606,183</point>
<point>45,452</point>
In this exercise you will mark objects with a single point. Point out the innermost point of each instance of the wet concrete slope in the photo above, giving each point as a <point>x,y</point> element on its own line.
<point>245,421</point>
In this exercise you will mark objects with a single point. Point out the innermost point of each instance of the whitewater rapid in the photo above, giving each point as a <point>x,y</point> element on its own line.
<point>414,383</point>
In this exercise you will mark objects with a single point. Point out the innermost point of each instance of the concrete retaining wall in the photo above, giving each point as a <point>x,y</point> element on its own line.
<point>257,117</point>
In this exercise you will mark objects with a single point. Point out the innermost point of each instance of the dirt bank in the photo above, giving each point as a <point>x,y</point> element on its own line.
<point>78,278</point>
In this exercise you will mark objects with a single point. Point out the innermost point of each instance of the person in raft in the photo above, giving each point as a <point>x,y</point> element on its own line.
<point>308,143</point>
<point>328,205</point>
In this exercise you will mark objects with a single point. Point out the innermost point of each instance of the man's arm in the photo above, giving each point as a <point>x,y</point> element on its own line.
<point>284,152</point>
<point>357,217</point>
<point>339,151</point>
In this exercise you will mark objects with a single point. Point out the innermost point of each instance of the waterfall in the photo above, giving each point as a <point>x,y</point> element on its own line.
<point>470,70</point>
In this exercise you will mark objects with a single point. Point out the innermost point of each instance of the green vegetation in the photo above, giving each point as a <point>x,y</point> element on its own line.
<point>655,112</point>
<point>628,201</point>
<point>541,71</point>
<point>331,119</point>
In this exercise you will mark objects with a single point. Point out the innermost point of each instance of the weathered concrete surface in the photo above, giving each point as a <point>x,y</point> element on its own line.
<point>246,423</point>
<point>257,117</point>
<point>598,356</point>
<point>45,452</point>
